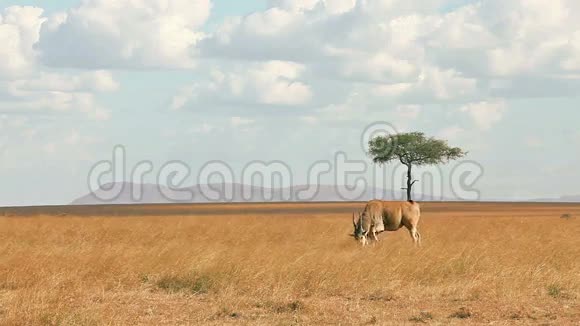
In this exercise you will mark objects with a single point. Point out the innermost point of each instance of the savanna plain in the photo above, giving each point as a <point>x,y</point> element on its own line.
<point>288,264</point>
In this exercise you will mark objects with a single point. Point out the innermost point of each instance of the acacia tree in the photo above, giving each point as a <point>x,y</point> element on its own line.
<point>412,149</point>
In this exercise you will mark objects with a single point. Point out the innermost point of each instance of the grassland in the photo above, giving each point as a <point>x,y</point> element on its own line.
<point>287,264</point>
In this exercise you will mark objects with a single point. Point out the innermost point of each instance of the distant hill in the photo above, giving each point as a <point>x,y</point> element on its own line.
<point>153,194</point>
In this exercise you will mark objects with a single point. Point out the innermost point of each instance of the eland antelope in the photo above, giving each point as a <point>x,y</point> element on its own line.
<point>379,216</point>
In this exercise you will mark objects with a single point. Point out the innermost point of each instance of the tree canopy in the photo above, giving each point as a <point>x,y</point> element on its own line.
<point>412,148</point>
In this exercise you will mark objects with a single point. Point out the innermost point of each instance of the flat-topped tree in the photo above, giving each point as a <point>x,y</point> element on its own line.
<point>412,149</point>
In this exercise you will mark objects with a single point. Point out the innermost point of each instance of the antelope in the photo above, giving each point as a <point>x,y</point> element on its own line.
<point>379,216</point>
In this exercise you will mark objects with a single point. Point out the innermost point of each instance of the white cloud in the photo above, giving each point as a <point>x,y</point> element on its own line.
<point>485,114</point>
<point>19,30</point>
<point>120,34</point>
<point>182,97</point>
<point>102,81</point>
<point>58,92</point>
<point>432,85</point>
<point>274,83</point>
<point>409,111</point>
<point>74,137</point>
<point>391,90</point>
<point>94,81</point>
<point>447,84</point>
<point>451,133</point>
<point>312,120</point>
<point>521,37</point>
<point>26,86</point>
<point>378,67</point>
<point>294,5</point>
<point>239,121</point>
<point>329,6</point>
<point>414,49</point>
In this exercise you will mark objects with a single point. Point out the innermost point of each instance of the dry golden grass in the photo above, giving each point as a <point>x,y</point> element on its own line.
<point>478,264</point>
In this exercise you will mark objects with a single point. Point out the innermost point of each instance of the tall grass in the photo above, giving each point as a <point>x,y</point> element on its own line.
<point>286,269</point>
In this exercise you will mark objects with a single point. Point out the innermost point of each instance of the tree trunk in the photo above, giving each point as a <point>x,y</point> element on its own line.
<point>409,182</point>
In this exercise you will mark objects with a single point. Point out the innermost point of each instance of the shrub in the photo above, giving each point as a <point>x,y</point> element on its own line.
<point>462,313</point>
<point>555,291</point>
<point>423,317</point>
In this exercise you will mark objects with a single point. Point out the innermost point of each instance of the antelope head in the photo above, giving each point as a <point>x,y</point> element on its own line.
<point>359,232</point>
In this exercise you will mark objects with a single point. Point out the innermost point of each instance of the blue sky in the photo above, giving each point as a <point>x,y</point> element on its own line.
<point>221,9</point>
<point>295,81</point>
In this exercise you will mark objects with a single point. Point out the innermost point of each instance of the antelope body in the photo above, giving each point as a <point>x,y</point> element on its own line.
<point>379,216</point>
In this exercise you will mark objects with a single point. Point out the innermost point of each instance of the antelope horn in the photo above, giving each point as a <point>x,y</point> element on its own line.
<point>353,222</point>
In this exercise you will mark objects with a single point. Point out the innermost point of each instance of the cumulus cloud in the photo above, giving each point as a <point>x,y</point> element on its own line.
<point>485,114</point>
<point>56,102</point>
<point>311,53</point>
<point>373,40</point>
<point>19,31</point>
<point>58,92</point>
<point>413,49</point>
<point>451,133</point>
<point>275,83</point>
<point>27,86</point>
<point>331,6</point>
<point>511,38</point>
<point>432,85</point>
<point>94,81</point>
<point>125,34</point>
